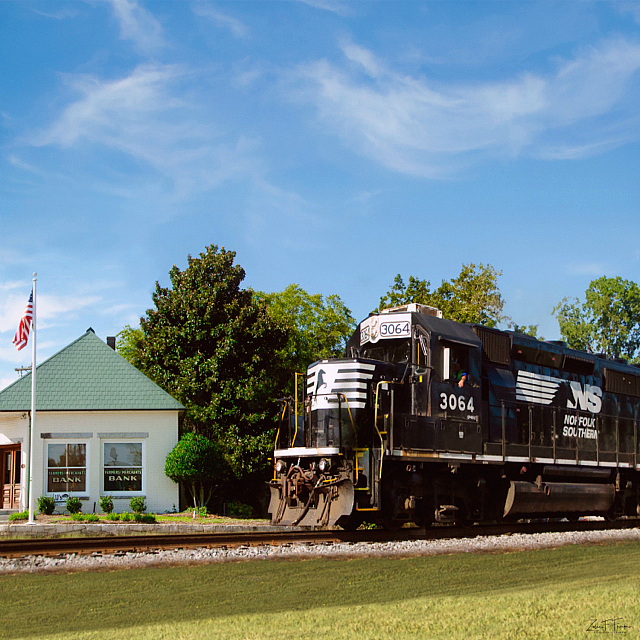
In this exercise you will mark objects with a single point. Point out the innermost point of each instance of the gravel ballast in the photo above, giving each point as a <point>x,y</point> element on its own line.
<point>479,544</point>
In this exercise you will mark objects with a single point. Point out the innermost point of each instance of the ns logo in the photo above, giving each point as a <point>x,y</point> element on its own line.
<point>585,397</point>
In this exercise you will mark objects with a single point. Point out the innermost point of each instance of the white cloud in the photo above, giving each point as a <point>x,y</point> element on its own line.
<point>49,308</point>
<point>138,25</point>
<point>113,111</point>
<point>422,127</point>
<point>140,116</point>
<point>11,256</point>
<point>335,6</point>
<point>595,269</point>
<point>18,163</point>
<point>629,7</point>
<point>237,28</point>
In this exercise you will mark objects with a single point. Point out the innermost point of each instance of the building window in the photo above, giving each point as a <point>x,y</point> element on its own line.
<point>122,467</point>
<point>66,468</point>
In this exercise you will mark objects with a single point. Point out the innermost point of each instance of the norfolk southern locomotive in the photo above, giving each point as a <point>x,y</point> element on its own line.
<point>428,420</point>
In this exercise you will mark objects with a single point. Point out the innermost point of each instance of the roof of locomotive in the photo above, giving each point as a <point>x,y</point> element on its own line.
<point>447,329</point>
<point>444,329</point>
<point>464,334</point>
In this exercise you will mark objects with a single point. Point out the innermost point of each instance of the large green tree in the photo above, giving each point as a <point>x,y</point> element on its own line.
<point>607,322</point>
<point>473,296</point>
<point>319,327</point>
<point>217,350</point>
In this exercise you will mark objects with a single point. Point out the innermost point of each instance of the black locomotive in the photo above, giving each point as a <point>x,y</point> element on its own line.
<point>431,420</point>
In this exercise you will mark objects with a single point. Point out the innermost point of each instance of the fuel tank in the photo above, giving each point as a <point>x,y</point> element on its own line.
<point>529,498</point>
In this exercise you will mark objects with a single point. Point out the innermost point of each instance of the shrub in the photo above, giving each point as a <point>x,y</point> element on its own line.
<point>196,462</point>
<point>146,518</point>
<point>137,504</point>
<point>125,517</point>
<point>92,517</point>
<point>197,511</point>
<point>113,516</point>
<point>74,505</point>
<point>77,517</point>
<point>46,505</point>
<point>21,515</point>
<point>106,504</point>
<point>239,510</point>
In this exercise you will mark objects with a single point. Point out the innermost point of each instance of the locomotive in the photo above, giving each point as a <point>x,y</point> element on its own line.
<point>428,420</point>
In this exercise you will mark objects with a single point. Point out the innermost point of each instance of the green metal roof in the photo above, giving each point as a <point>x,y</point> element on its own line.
<point>87,375</point>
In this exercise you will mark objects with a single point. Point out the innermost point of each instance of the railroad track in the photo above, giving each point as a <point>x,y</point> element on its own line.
<point>149,543</point>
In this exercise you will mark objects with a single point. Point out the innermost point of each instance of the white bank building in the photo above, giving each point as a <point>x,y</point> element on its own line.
<point>101,427</point>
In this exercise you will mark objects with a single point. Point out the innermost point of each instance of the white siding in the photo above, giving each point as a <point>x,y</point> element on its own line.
<point>162,429</point>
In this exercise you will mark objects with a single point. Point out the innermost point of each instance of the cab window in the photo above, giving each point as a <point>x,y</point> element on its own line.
<point>454,363</point>
<point>388,351</point>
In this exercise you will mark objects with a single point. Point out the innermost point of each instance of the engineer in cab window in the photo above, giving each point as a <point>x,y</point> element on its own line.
<point>459,375</point>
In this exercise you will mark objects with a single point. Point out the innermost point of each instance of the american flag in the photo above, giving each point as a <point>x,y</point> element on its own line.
<point>22,334</point>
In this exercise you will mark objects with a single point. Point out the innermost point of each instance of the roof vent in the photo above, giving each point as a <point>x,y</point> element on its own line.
<point>414,307</point>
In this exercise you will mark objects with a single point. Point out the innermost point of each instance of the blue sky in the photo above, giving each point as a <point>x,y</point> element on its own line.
<point>330,144</point>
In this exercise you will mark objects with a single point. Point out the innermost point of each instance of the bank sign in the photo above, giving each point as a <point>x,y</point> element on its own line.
<point>549,390</point>
<point>386,327</point>
<point>122,479</point>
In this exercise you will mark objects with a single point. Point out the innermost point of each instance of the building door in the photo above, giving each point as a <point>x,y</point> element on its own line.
<point>10,469</point>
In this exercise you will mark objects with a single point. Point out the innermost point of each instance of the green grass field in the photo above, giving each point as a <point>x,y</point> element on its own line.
<point>534,594</point>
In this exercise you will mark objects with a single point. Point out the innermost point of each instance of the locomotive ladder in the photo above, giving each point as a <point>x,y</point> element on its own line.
<point>369,460</point>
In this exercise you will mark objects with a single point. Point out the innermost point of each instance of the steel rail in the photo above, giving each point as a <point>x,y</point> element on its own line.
<point>154,542</point>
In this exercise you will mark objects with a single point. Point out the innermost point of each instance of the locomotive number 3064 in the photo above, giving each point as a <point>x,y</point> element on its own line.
<point>453,402</point>
<point>395,329</point>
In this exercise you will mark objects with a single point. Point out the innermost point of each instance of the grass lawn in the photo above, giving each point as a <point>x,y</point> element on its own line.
<point>160,518</point>
<point>531,594</point>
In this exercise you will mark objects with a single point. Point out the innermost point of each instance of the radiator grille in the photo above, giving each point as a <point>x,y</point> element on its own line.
<point>496,346</point>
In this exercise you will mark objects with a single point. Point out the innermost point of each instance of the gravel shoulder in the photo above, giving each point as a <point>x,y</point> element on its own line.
<point>479,544</point>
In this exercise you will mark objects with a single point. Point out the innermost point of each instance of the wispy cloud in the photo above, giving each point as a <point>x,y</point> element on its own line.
<point>139,115</point>
<point>237,28</point>
<point>629,7</point>
<point>61,14</point>
<point>138,25</point>
<point>335,6</point>
<point>418,126</point>
<point>49,307</point>
<point>595,269</point>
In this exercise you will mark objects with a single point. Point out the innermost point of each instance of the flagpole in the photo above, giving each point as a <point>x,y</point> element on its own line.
<point>33,404</point>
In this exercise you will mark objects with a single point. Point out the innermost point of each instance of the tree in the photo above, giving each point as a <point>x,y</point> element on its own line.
<point>196,462</point>
<point>607,322</point>
<point>318,327</point>
<point>527,330</point>
<point>215,348</point>
<point>471,297</point>
<point>129,345</point>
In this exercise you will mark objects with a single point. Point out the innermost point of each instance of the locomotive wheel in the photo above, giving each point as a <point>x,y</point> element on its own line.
<point>390,524</point>
<point>350,522</point>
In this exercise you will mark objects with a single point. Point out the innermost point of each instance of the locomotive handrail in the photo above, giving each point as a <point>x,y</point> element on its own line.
<point>353,425</point>
<point>275,444</point>
<point>504,432</point>
<point>295,391</point>
<point>375,421</point>
<point>621,450</point>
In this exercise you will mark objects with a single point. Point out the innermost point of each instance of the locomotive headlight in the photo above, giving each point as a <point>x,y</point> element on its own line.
<point>324,465</point>
<point>281,466</point>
